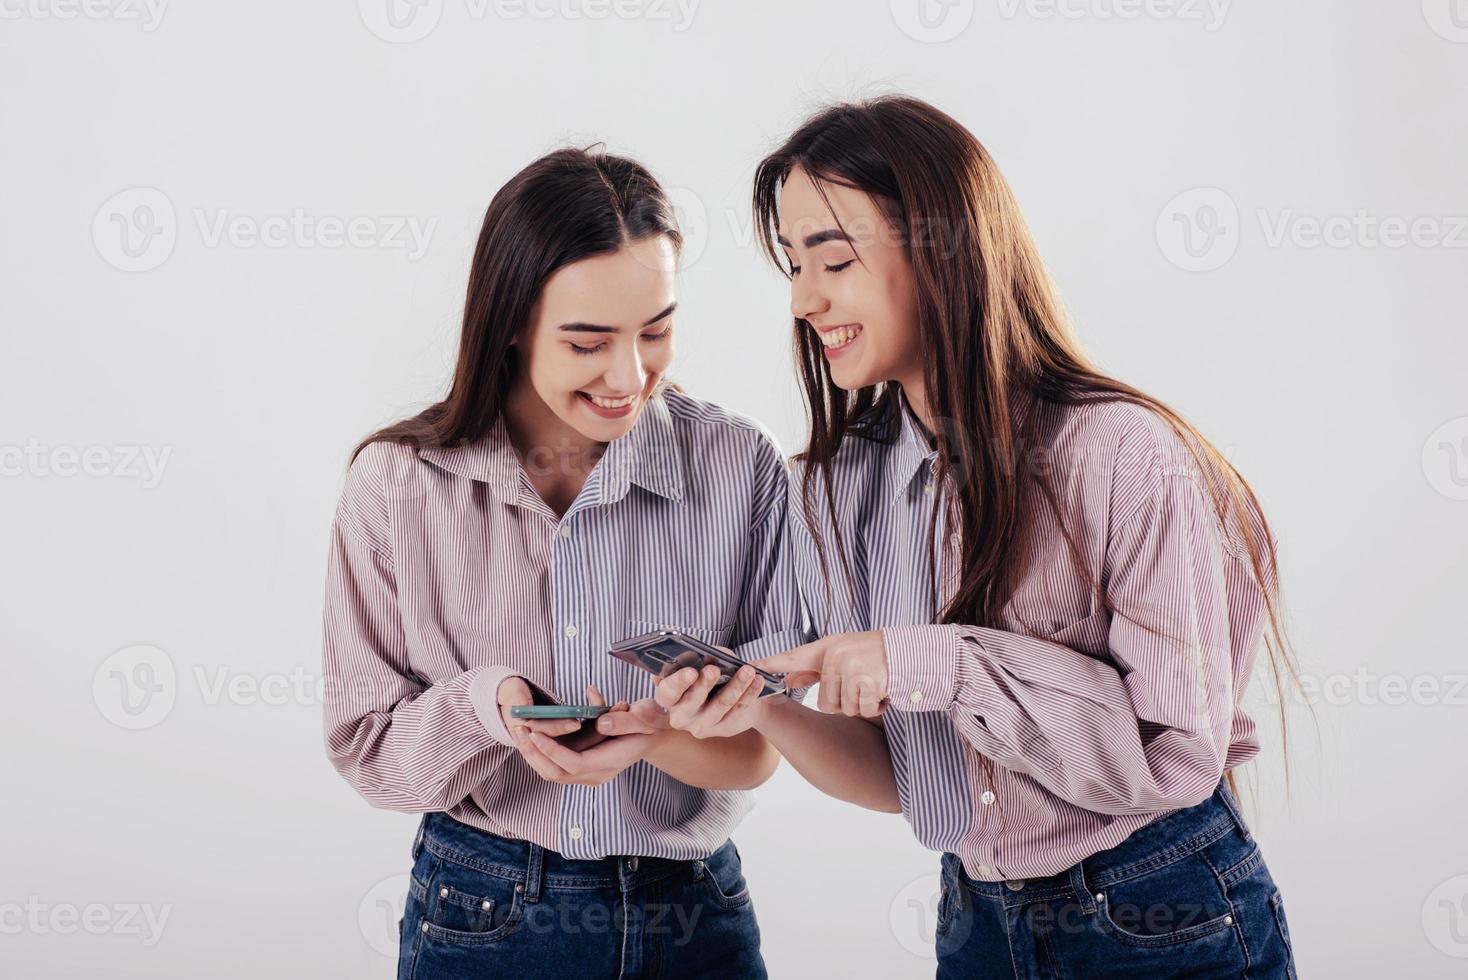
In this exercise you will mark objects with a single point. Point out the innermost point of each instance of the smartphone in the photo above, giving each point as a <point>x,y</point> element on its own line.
<point>547,706</point>
<point>665,652</point>
<point>582,711</point>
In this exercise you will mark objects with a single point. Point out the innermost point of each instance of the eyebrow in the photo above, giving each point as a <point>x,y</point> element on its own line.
<point>824,235</point>
<point>598,328</point>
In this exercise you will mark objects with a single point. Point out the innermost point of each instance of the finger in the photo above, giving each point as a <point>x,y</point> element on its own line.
<point>686,712</point>
<point>870,706</point>
<point>537,760</point>
<point>719,707</point>
<point>850,696</point>
<point>514,690</point>
<point>567,759</point>
<point>593,696</point>
<point>830,699</point>
<point>622,723</point>
<point>807,657</point>
<point>550,726</point>
<point>672,688</point>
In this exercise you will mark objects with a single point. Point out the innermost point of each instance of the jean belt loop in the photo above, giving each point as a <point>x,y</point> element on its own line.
<point>1084,898</point>
<point>1229,800</point>
<point>533,870</point>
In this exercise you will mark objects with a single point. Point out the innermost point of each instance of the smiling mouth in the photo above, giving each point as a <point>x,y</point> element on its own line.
<point>835,339</point>
<point>610,408</point>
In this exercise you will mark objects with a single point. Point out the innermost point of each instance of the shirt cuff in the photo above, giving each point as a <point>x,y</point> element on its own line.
<point>921,666</point>
<point>484,695</point>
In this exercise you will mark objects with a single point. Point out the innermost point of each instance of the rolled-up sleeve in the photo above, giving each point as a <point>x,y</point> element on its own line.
<point>401,743</point>
<point>1147,731</point>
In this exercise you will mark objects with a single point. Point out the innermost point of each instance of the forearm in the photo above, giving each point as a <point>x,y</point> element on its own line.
<point>842,756</point>
<point>741,761</point>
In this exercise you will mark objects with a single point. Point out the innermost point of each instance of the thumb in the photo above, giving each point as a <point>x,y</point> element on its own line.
<point>514,690</point>
<point>622,723</point>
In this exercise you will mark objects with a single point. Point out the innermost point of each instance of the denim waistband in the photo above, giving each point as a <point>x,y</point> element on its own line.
<point>538,868</point>
<point>1174,836</point>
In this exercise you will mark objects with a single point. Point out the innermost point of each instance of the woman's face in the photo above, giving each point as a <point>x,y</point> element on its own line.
<point>855,288</point>
<point>601,337</point>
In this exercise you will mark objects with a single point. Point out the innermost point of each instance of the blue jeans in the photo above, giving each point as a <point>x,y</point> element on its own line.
<point>1186,896</point>
<point>480,905</point>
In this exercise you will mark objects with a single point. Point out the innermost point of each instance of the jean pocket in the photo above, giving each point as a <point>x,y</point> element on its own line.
<point>1178,902</point>
<point>466,906</point>
<point>722,876</point>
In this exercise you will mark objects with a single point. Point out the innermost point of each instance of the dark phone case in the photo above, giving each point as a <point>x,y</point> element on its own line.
<point>652,652</point>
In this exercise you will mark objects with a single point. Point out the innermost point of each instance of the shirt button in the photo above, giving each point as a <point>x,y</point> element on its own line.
<point>565,530</point>
<point>954,540</point>
<point>575,833</point>
<point>985,870</point>
<point>988,797</point>
<point>927,488</point>
<point>915,696</point>
<point>571,631</point>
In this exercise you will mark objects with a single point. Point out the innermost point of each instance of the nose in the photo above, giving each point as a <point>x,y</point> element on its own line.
<point>807,299</point>
<point>626,375</point>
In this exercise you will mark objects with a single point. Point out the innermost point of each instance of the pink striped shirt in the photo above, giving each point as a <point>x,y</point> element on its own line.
<point>1096,722</point>
<point>448,573</point>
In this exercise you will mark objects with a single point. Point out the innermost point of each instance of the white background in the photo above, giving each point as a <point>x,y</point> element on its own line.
<point>1331,367</point>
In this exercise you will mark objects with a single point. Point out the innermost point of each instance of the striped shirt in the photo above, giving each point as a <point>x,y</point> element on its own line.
<point>448,573</point>
<point>1095,722</point>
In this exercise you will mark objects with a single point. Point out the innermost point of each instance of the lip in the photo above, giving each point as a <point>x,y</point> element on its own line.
<point>607,413</point>
<point>834,352</point>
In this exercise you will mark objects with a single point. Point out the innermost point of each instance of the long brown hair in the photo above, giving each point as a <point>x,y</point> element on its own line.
<point>992,331</point>
<point>568,205</point>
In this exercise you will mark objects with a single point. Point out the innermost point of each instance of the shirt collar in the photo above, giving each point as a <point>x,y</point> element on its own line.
<point>648,456</point>
<point>911,454</point>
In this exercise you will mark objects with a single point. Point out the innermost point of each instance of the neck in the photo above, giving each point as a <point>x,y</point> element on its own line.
<point>536,432</point>
<point>917,397</point>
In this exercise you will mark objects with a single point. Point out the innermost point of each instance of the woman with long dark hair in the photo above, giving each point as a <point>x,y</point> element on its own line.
<point>486,554</point>
<point>1039,591</point>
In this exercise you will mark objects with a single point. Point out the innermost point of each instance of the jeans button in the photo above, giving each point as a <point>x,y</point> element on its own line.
<point>1015,885</point>
<point>632,863</point>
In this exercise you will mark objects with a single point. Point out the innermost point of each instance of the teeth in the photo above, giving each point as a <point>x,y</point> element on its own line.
<point>841,337</point>
<point>612,402</point>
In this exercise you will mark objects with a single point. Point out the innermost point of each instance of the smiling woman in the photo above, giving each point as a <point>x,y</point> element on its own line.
<point>488,552</point>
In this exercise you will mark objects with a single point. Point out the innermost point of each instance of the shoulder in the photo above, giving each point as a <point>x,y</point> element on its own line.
<point>701,423</point>
<point>381,472</point>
